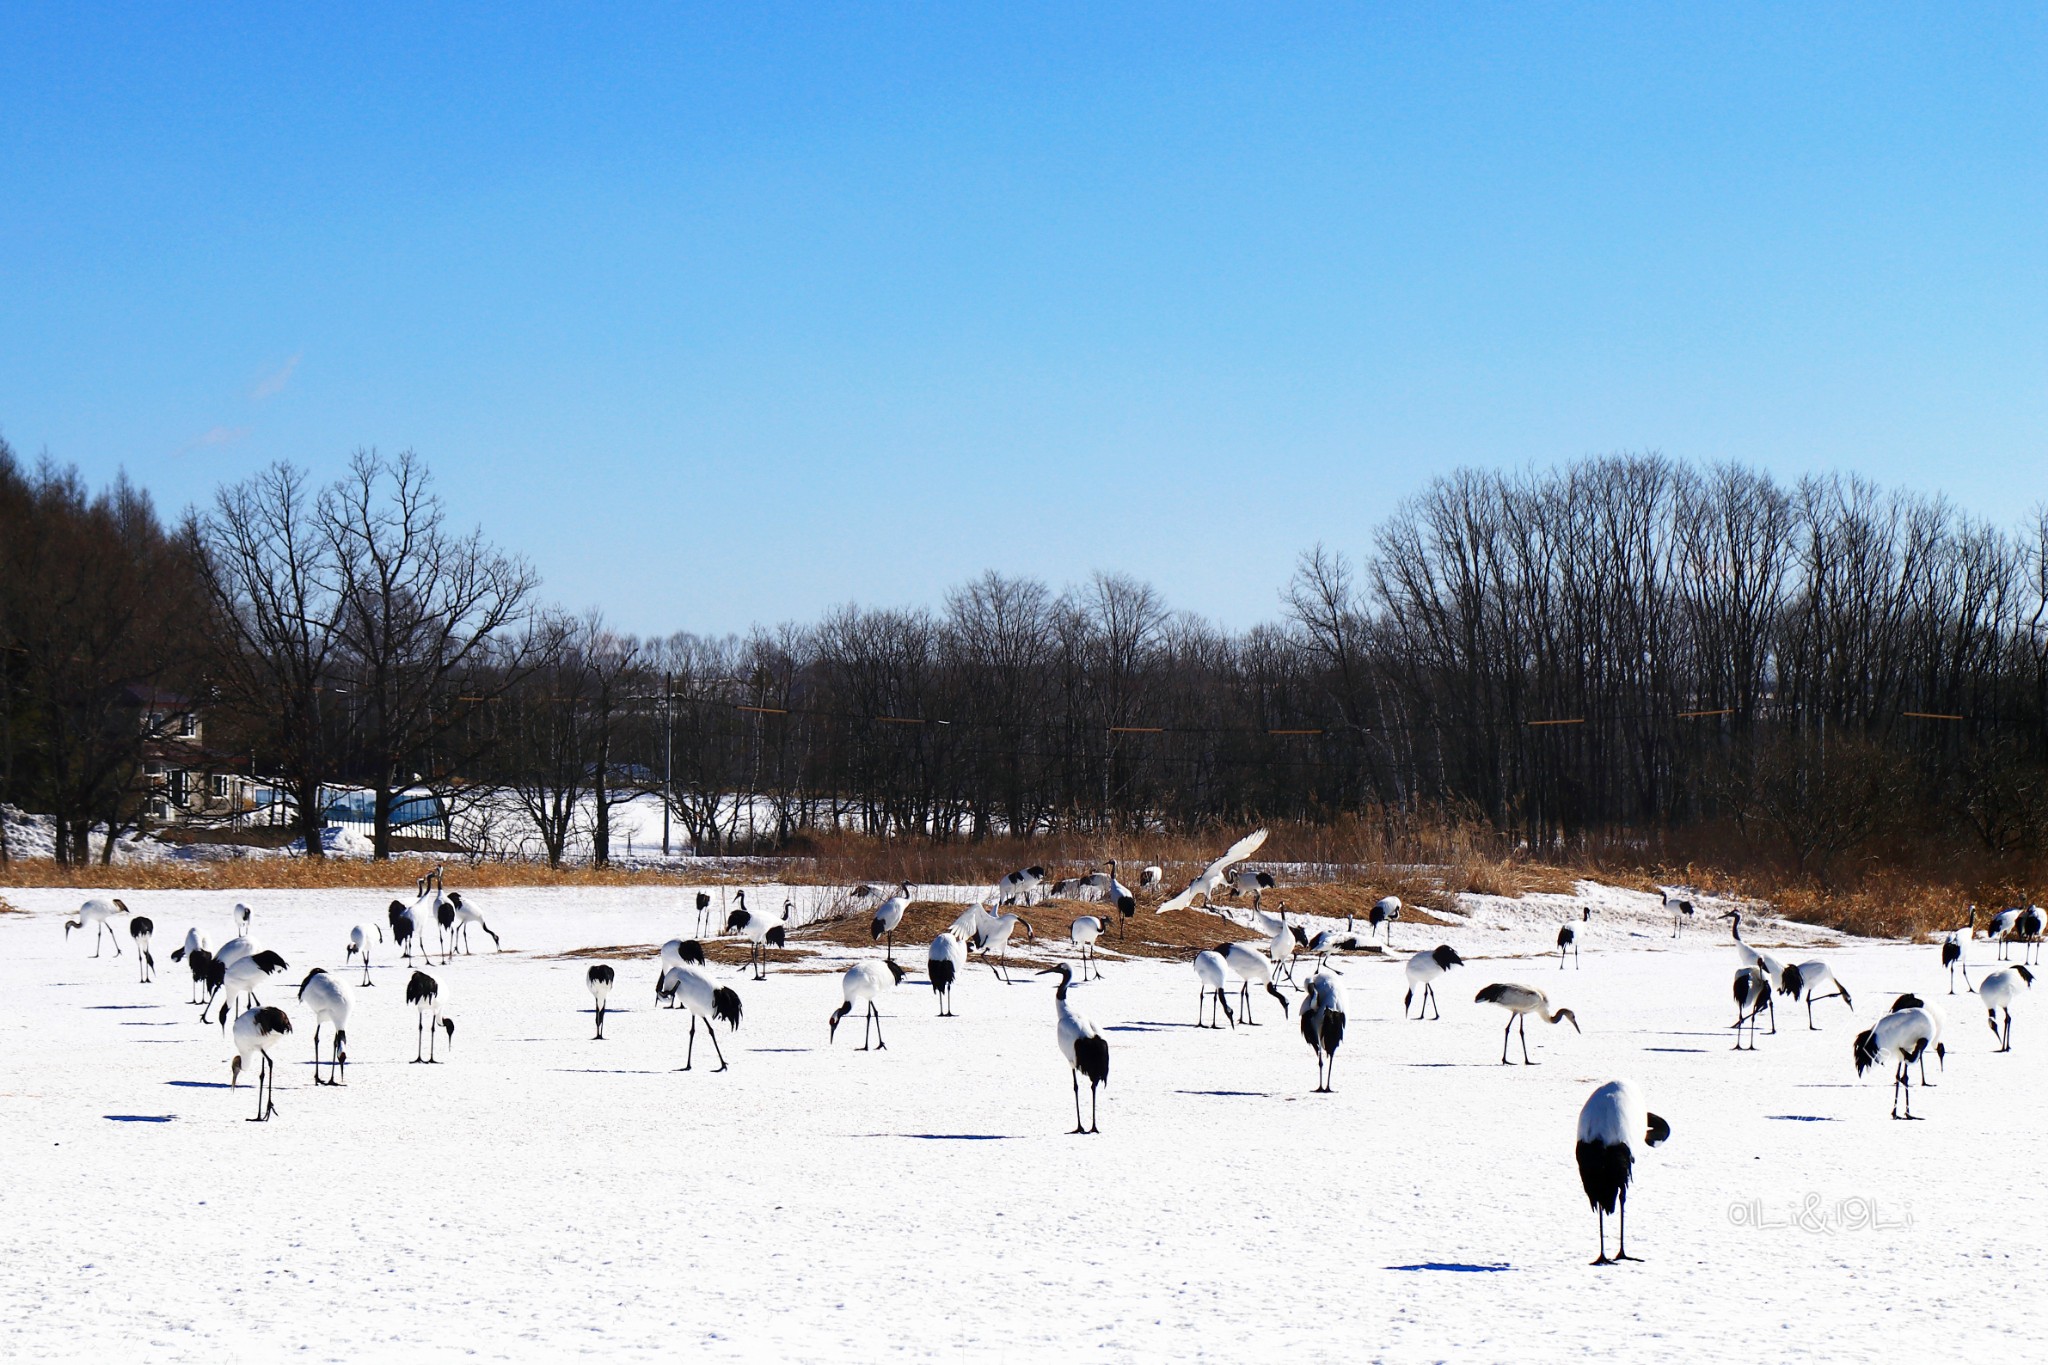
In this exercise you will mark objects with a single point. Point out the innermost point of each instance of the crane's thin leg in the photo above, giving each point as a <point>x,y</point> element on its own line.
<point>1525,1039</point>
<point>1504,1040</point>
<point>419,1041</point>
<point>1076,1075</point>
<point>691,1051</point>
<point>1622,1255</point>
<point>717,1051</point>
<point>1600,1217</point>
<point>1092,1126</point>
<point>881,1044</point>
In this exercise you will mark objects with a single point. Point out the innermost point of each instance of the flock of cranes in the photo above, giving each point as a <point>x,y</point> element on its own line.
<point>1614,1125</point>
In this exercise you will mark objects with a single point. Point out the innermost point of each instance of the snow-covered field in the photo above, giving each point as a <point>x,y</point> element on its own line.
<point>545,1195</point>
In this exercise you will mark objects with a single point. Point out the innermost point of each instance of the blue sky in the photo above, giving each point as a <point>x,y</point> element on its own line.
<point>732,313</point>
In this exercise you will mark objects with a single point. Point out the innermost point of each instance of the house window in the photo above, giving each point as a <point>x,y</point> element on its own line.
<point>180,786</point>
<point>220,784</point>
<point>188,726</point>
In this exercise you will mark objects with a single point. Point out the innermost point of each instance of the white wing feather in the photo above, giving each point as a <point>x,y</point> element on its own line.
<point>1239,851</point>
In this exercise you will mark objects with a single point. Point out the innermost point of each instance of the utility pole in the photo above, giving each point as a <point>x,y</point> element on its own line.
<point>668,758</point>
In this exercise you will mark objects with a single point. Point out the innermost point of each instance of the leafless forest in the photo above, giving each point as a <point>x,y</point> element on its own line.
<point>1621,658</point>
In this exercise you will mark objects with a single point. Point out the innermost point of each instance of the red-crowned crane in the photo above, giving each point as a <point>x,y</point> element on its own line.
<point>1252,880</point>
<point>675,953</point>
<point>888,917</point>
<point>1249,965</point>
<point>423,993</point>
<point>1952,951</point>
<point>1283,940</point>
<point>862,984</point>
<point>1681,910</point>
<point>599,978</point>
<point>359,946</point>
<point>1019,885</point>
<point>995,941</point>
<point>1082,1044</point>
<point>1752,990</point>
<point>1211,878</point>
<point>1520,1002</point>
<point>1612,1125</point>
<point>1901,1038</point>
<point>239,978</point>
<point>1112,890</point>
<point>2028,929</point>
<point>1330,941</point>
<point>1384,912</point>
<point>404,927</point>
<point>194,942</point>
<point>1322,1025</point>
<point>706,1001</point>
<point>255,1030</point>
<point>323,995</point>
<point>1422,970</point>
<point>1150,876</point>
<point>142,929</point>
<point>1084,932</point>
<point>1772,969</point>
<point>464,916</point>
<point>200,963</point>
<point>1814,980</point>
<point>1214,974</point>
<point>98,915</point>
<point>1998,991</point>
<point>942,965</point>
<point>760,932</point>
<point>1567,940</point>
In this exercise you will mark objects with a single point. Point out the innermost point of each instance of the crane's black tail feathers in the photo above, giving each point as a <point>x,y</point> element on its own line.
<point>1091,1057</point>
<point>725,1004</point>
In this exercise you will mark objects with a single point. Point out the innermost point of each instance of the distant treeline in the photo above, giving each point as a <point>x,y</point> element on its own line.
<point>1623,644</point>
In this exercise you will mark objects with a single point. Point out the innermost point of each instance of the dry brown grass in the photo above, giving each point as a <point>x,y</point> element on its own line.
<point>7,909</point>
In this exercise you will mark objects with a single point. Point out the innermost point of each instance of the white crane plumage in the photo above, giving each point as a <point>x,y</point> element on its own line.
<point>1422,970</point>
<point>1211,877</point>
<point>359,946</point>
<point>1214,974</point>
<point>1150,875</point>
<point>1019,885</point>
<point>1772,969</point>
<point>862,985</point>
<point>1520,1002</point>
<point>238,979</point>
<point>1322,1025</point>
<point>1249,879</point>
<point>1082,1044</point>
<point>1901,1038</point>
<point>995,941</point>
<point>423,993</point>
<point>1085,931</point>
<point>889,916</point>
<point>600,979</point>
<point>1612,1125</point>
<point>466,915</point>
<point>943,963</point>
<point>1752,990</point>
<point>1251,966</point>
<point>98,915</point>
<point>1998,991</point>
<point>323,995</point>
<point>1384,912</point>
<point>255,1030</point>
<point>706,1001</point>
<point>2000,928</point>
<point>142,929</point>
<point>760,932</point>
<point>1681,910</point>
<point>1816,981</point>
